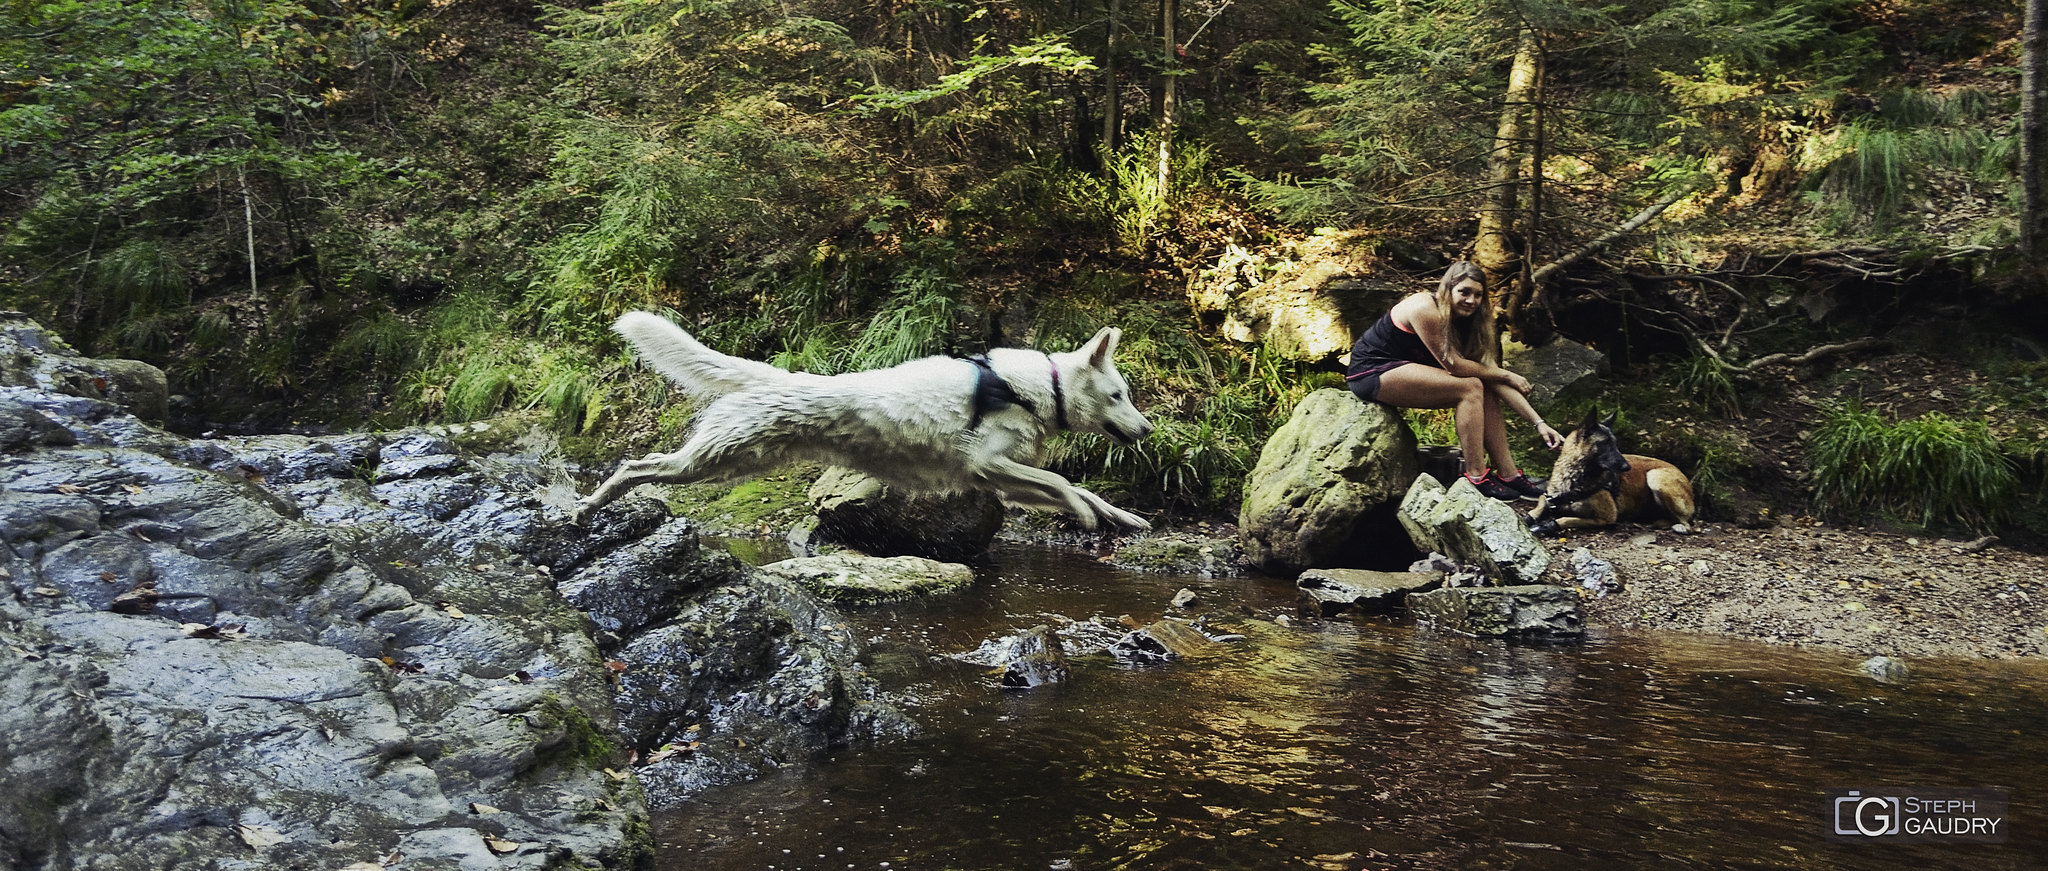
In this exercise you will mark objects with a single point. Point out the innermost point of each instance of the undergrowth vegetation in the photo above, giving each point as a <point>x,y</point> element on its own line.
<point>389,213</point>
<point>1932,469</point>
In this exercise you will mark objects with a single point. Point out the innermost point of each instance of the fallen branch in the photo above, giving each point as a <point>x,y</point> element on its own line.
<point>1629,226</point>
<point>1812,354</point>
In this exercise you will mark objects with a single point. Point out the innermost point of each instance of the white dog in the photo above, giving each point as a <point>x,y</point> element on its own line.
<point>935,425</point>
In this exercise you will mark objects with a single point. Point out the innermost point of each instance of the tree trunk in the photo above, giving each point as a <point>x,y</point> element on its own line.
<point>1112,108</point>
<point>1523,305</point>
<point>1495,247</point>
<point>1169,103</point>
<point>2034,138</point>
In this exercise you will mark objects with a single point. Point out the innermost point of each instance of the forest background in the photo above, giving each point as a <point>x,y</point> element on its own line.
<point>1801,232</point>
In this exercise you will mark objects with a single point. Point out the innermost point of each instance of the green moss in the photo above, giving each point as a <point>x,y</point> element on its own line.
<point>581,743</point>
<point>777,499</point>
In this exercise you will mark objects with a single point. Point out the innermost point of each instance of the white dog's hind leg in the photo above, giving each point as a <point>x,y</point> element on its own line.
<point>631,473</point>
<point>709,454</point>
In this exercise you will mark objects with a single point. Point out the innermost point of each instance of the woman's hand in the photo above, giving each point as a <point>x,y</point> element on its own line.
<point>1518,382</point>
<point>1550,437</point>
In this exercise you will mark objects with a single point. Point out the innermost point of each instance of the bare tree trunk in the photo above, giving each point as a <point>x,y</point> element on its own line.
<point>248,227</point>
<point>1112,108</point>
<point>1494,248</point>
<point>1169,102</point>
<point>2034,137</point>
<point>1524,297</point>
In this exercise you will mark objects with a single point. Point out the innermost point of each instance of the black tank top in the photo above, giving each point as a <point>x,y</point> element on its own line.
<point>1385,346</point>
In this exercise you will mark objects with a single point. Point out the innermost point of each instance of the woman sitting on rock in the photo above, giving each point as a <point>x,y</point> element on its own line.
<point>1451,340</point>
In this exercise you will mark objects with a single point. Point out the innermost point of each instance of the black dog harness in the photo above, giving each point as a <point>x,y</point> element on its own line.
<point>992,393</point>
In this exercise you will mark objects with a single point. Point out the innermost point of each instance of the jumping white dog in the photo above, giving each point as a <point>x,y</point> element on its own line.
<point>935,425</point>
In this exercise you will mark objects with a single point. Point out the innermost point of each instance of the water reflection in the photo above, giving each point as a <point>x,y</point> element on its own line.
<point>1370,745</point>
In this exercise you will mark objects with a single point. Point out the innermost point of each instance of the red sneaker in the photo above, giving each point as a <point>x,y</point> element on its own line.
<point>1491,487</point>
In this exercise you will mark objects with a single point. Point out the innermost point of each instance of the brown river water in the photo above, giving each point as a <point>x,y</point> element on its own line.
<point>1373,744</point>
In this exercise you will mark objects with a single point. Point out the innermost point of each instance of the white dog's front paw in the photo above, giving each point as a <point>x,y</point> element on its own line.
<point>584,509</point>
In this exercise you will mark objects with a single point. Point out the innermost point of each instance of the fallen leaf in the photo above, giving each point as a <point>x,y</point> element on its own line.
<point>454,612</point>
<point>52,592</point>
<point>140,599</point>
<point>109,577</point>
<point>132,489</point>
<point>476,808</point>
<point>500,846</point>
<point>216,632</point>
<point>70,489</point>
<point>616,666</point>
<point>259,837</point>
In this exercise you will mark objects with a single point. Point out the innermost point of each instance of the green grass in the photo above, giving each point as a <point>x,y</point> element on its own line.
<point>1932,469</point>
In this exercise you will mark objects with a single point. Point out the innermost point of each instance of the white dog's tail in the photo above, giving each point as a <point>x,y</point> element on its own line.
<point>673,352</point>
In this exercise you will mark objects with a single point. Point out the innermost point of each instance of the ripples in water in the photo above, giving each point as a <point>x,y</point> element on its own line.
<point>1373,744</point>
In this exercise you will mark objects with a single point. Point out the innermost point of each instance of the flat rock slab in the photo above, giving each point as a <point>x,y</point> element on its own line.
<point>869,580</point>
<point>1331,592</point>
<point>1163,641</point>
<point>1533,611</point>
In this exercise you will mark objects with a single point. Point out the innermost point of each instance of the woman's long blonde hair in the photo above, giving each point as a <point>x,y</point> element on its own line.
<point>1477,338</point>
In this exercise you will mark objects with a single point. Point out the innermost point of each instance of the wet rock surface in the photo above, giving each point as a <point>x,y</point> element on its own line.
<point>1181,553</point>
<point>1526,611</point>
<point>297,651</point>
<point>852,579</point>
<point>1359,592</point>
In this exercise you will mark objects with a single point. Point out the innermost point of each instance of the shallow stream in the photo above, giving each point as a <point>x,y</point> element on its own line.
<point>1371,744</point>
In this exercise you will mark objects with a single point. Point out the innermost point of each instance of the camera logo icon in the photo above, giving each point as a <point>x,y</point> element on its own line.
<point>1870,816</point>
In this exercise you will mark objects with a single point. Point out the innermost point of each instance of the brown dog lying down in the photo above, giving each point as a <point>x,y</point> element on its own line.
<point>1595,484</point>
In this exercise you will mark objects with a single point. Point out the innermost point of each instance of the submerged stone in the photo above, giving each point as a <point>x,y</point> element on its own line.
<point>1530,611</point>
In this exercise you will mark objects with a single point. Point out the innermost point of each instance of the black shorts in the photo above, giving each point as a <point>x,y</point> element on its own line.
<point>1366,385</point>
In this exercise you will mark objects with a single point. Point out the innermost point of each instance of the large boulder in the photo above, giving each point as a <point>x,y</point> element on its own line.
<point>1303,300</point>
<point>1552,367</point>
<point>1325,488</point>
<point>31,356</point>
<point>866,514</point>
<point>1468,527</point>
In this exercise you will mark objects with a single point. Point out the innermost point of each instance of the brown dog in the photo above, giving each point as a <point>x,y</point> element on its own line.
<point>1595,484</point>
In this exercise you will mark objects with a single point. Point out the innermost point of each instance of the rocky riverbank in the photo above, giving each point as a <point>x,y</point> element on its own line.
<point>1806,584</point>
<point>371,650</point>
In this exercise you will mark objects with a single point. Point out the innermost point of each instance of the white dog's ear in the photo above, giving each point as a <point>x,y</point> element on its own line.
<point>1102,347</point>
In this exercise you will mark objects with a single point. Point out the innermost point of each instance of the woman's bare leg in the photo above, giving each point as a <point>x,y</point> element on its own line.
<point>1419,386</point>
<point>1497,434</point>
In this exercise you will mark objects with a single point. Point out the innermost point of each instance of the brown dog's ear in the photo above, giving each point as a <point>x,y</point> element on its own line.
<point>1609,422</point>
<point>1592,420</point>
